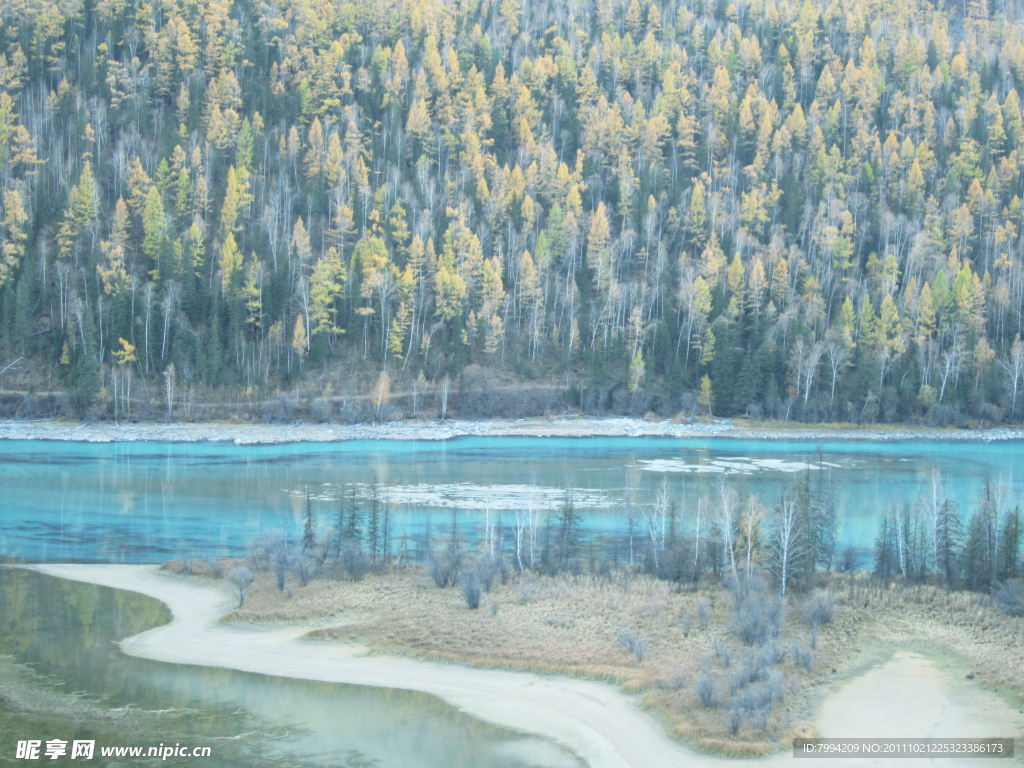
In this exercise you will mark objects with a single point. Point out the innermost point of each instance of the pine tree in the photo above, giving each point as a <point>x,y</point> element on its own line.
<point>308,525</point>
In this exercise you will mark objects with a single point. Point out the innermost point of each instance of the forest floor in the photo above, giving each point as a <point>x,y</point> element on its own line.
<point>242,433</point>
<point>571,624</point>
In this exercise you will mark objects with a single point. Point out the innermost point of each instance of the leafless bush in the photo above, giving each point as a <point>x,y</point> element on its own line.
<point>321,409</point>
<point>354,563</point>
<point>187,556</point>
<point>493,570</point>
<point>774,686</point>
<point>735,719</point>
<point>632,640</point>
<point>444,568</point>
<point>215,568</point>
<point>271,554</point>
<point>754,698</point>
<point>848,560</point>
<point>704,613</point>
<point>1010,597</point>
<point>306,568</point>
<point>471,588</point>
<point>526,592</point>
<point>241,579</point>
<point>723,651</point>
<point>758,618</point>
<point>771,653</point>
<point>759,718</point>
<point>819,609</point>
<point>677,680</point>
<point>278,410</point>
<point>740,677</point>
<point>802,655</point>
<point>706,692</point>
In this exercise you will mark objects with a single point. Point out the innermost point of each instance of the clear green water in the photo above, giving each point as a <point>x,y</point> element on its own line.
<point>146,502</point>
<point>61,676</point>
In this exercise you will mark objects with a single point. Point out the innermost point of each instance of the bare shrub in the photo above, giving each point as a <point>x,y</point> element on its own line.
<point>271,554</point>
<point>241,579</point>
<point>758,618</point>
<point>306,568</point>
<point>471,588</point>
<point>677,680</point>
<point>493,570</point>
<point>706,692</point>
<point>444,568</point>
<point>354,563</point>
<point>723,651</point>
<point>759,718</point>
<point>739,678</point>
<point>771,653</point>
<point>526,593</point>
<point>819,609</point>
<point>774,686</point>
<point>735,719</point>
<point>802,655</point>
<point>754,698</point>
<point>278,410</point>
<point>321,409</point>
<point>187,556</point>
<point>848,560</point>
<point>1010,597</point>
<point>631,639</point>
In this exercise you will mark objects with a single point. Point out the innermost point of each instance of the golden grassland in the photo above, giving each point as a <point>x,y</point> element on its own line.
<point>569,624</point>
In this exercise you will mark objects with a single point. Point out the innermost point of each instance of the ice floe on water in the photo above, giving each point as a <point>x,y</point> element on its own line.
<point>736,465</point>
<point>462,496</point>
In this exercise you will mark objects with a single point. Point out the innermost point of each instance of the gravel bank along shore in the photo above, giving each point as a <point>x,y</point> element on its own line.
<point>255,434</point>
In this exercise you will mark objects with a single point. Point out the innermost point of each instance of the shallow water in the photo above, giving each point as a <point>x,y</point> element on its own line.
<point>146,502</point>
<point>61,676</point>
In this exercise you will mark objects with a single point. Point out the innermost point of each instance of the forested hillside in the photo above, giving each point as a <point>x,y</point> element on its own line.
<point>802,210</point>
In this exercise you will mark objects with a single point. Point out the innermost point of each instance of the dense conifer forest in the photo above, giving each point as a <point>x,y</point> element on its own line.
<point>773,208</point>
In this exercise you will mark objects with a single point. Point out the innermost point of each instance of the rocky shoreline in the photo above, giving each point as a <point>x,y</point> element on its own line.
<point>269,434</point>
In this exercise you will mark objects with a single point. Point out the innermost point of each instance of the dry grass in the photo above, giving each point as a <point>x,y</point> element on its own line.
<point>569,624</point>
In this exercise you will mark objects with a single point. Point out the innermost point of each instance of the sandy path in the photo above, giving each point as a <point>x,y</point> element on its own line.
<point>906,697</point>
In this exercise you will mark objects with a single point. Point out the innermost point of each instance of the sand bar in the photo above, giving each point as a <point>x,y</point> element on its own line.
<point>908,696</point>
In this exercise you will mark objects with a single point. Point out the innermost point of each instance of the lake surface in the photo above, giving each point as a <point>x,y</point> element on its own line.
<point>62,677</point>
<point>147,501</point>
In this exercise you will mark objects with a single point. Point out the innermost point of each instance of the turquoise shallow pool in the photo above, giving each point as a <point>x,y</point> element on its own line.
<point>146,502</point>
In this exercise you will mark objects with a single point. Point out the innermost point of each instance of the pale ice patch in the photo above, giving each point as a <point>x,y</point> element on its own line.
<point>735,465</point>
<point>462,496</point>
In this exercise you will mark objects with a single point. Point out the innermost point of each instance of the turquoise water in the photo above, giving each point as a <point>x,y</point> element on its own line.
<point>62,677</point>
<point>146,501</point>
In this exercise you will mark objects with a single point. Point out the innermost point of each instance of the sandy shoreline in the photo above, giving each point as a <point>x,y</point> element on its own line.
<point>268,434</point>
<point>908,696</point>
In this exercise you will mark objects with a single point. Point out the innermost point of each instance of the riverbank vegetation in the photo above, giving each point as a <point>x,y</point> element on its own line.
<point>728,619</point>
<point>347,211</point>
